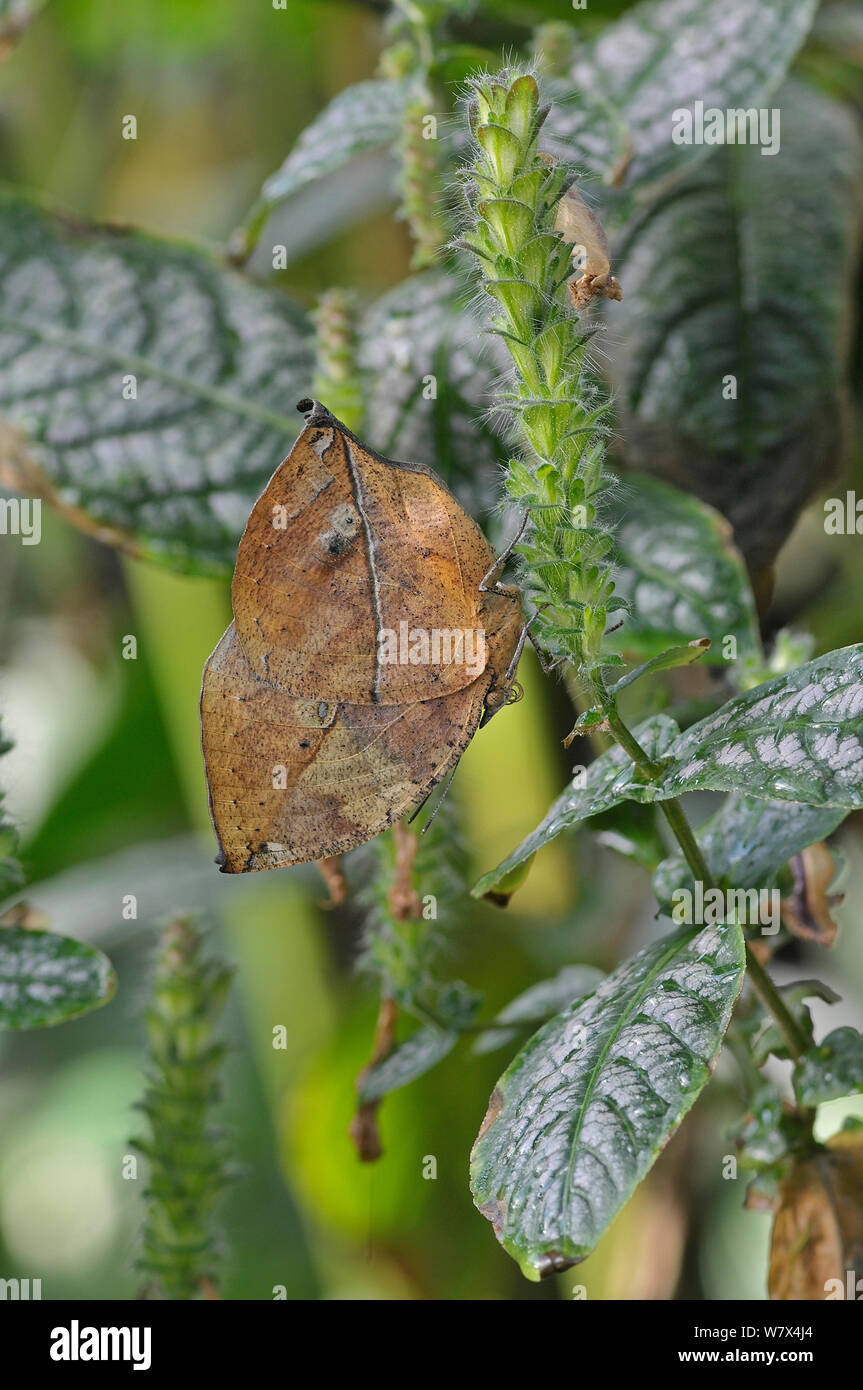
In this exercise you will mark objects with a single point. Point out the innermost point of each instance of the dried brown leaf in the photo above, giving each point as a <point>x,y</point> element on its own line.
<point>818,1228</point>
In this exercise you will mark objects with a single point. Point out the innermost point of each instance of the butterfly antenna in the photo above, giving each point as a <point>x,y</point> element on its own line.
<point>413,815</point>
<point>440,801</point>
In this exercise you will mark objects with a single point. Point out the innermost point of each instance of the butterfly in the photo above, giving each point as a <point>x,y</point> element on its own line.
<point>369,642</point>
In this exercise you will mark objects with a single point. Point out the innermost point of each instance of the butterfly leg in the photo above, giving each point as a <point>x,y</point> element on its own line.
<point>509,688</point>
<point>548,665</point>
<point>502,558</point>
<point>527,636</point>
<point>517,654</point>
<point>545,662</point>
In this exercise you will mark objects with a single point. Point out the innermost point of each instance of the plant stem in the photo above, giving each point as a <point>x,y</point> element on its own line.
<point>795,1038</point>
<point>513,193</point>
<point>671,809</point>
<point>188,1157</point>
<point>682,832</point>
<point>624,736</point>
<point>761,982</point>
<point>363,1128</point>
<point>410,58</point>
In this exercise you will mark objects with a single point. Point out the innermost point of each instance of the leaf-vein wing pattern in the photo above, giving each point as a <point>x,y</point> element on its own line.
<point>341,546</point>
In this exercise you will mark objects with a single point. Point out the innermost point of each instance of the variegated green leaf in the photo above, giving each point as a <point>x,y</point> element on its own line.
<point>680,572</point>
<point>363,120</point>
<point>661,57</point>
<point>430,375</point>
<point>538,1002</point>
<point>798,737</point>
<point>747,842</point>
<point>145,389</point>
<point>47,979</point>
<point>578,1118</point>
<point>610,778</point>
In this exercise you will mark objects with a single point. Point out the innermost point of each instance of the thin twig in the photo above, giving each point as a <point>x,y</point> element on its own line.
<point>363,1128</point>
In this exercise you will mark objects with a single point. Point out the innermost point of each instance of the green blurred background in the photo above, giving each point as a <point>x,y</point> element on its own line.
<point>107,786</point>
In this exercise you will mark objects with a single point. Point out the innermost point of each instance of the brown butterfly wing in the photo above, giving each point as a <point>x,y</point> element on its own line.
<point>292,780</point>
<point>361,544</point>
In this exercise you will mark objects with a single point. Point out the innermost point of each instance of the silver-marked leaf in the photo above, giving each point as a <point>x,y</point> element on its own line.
<point>798,737</point>
<point>747,842</point>
<point>430,374</point>
<point>455,1007</point>
<point>631,830</point>
<point>316,212</point>
<point>662,57</point>
<point>47,979</point>
<point>578,1118</point>
<point>412,1059</point>
<point>584,126</point>
<point>729,368</point>
<point>609,779</point>
<point>364,119</point>
<point>680,572</point>
<point>538,1002</point>
<point>833,1068</point>
<point>146,390</point>
<point>11,872</point>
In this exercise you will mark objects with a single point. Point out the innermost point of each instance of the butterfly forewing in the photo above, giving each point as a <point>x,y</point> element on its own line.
<point>342,547</point>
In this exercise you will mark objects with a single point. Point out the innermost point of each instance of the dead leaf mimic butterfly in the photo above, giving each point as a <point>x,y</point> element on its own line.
<point>369,642</point>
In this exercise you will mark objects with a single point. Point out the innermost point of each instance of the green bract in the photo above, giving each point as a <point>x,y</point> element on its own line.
<point>513,191</point>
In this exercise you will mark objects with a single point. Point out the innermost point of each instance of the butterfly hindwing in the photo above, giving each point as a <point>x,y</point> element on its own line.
<point>293,780</point>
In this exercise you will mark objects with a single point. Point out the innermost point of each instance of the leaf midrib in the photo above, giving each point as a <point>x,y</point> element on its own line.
<point>673,950</point>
